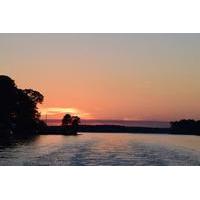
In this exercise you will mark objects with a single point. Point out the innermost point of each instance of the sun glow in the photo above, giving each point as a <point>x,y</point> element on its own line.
<point>56,112</point>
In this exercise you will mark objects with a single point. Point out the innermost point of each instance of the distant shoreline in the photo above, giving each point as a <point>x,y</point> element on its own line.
<point>106,129</point>
<point>129,123</point>
<point>59,130</point>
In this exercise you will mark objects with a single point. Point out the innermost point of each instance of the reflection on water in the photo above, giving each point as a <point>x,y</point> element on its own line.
<point>102,149</point>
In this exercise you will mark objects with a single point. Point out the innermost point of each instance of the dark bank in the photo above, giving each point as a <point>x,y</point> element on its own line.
<point>103,129</point>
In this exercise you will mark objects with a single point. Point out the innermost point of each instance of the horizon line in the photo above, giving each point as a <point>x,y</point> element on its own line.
<point>126,120</point>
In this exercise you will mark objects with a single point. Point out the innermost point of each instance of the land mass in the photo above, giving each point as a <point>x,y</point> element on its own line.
<point>52,130</point>
<point>104,129</point>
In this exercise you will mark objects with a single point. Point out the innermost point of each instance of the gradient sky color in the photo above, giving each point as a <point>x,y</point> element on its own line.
<point>108,76</point>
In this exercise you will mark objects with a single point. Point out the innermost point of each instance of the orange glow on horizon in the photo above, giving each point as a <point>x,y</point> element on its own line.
<point>58,112</point>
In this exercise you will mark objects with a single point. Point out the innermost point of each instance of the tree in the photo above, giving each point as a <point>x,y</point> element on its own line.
<point>70,123</point>
<point>35,96</point>
<point>8,101</point>
<point>18,108</point>
<point>66,121</point>
<point>188,126</point>
<point>75,121</point>
<point>28,117</point>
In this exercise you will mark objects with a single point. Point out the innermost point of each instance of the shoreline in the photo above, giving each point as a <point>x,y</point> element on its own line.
<point>59,130</point>
<point>104,129</point>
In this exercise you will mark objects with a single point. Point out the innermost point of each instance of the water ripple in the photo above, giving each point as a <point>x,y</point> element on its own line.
<point>104,150</point>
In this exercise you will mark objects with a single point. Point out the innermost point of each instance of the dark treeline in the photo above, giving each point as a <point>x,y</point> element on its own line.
<point>18,109</point>
<point>121,129</point>
<point>184,126</point>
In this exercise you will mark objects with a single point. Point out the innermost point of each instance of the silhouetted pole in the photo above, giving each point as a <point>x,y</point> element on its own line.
<point>46,118</point>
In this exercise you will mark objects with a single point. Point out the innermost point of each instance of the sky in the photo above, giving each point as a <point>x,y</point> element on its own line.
<point>108,76</point>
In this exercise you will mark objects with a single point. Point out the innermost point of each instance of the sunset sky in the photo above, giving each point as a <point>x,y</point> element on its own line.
<point>108,76</point>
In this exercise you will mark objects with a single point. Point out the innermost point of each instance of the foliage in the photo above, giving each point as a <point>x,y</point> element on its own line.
<point>71,123</point>
<point>75,121</point>
<point>66,121</point>
<point>186,126</point>
<point>69,120</point>
<point>18,108</point>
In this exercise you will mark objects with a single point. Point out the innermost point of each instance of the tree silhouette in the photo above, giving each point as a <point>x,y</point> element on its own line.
<point>28,117</point>
<point>8,99</point>
<point>66,121</point>
<point>186,126</point>
<point>35,96</point>
<point>18,108</point>
<point>75,121</point>
<point>70,123</point>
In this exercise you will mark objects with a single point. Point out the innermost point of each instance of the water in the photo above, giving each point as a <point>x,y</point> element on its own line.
<point>103,149</point>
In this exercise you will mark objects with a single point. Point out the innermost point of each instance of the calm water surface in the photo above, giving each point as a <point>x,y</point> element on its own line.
<point>103,149</point>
